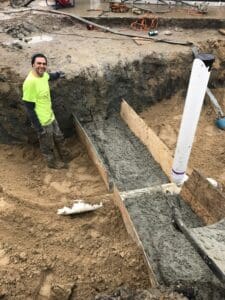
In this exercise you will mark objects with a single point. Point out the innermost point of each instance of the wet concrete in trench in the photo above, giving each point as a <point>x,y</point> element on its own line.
<point>173,259</point>
<point>211,239</point>
<point>129,163</point>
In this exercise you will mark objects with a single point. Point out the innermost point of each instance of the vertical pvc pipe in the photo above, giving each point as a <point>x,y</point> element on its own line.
<point>195,95</point>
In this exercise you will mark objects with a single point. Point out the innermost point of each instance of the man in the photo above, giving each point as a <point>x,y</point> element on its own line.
<point>37,100</point>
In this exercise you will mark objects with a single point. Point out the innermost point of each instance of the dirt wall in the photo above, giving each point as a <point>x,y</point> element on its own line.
<point>142,76</point>
<point>190,22</point>
<point>142,82</point>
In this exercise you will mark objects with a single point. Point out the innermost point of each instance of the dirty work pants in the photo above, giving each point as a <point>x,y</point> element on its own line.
<point>50,140</point>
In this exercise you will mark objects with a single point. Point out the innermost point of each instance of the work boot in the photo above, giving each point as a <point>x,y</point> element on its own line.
<point>54,164</point>
<point>67,157</point>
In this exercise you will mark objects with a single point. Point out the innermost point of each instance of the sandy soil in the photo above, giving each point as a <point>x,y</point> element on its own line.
<point>42,253</point>
<point>208,154</point>
<point>47,256</point>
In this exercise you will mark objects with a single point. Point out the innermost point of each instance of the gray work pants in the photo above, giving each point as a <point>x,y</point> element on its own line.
<point>52,140</point>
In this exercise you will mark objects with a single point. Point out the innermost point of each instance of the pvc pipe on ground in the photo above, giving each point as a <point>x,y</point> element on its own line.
<point>195,95</point>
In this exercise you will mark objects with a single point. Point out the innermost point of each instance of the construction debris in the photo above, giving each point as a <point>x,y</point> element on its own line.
<point>20,3</point>
<point>104,28</point>
<point>145,23</point>
<point>136,11</point>
<point>118,7</point>
<point>78,207</point>
<point>167,32</point>
<point>148,10</point>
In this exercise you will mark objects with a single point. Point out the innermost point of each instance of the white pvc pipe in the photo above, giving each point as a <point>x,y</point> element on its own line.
<point>195,95</point>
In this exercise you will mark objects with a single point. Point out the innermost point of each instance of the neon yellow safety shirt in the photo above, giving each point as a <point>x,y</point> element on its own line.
<point>36,89</point>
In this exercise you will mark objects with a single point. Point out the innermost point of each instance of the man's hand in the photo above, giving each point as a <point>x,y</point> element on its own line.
<point>41,131</point>
<point>61,74</point>
<point>56,75</point>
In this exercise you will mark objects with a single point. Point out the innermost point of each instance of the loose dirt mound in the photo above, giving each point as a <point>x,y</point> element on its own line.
<point>44,255</point>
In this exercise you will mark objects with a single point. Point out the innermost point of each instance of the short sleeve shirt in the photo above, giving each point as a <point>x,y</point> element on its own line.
<point>36,89</point>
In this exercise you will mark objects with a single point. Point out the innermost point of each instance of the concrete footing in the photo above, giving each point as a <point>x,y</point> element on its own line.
<point>172,259</point>
<point>207,201</point>
<point>147,213</point>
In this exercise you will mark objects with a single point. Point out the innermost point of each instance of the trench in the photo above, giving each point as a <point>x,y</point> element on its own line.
<point>131,167</point>
<point>95,100</point>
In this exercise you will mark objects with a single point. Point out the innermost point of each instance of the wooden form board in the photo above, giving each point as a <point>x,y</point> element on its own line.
<point>156,147</point>
<point>92,153</point>
<point>205,200</point>
<point>119,201</point>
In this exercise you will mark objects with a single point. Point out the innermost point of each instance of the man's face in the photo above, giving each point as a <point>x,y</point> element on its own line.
<point>40,66</point>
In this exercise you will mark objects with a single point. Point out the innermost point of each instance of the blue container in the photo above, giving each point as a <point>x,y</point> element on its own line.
<point>220,123</point>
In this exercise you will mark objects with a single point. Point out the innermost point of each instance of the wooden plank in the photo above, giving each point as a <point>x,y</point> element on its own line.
<point>133,233</point>
<point>92,153</point>
<point>156,147</point>
<point>206,200</point>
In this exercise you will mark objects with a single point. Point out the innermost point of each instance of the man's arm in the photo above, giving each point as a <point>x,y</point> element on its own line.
<point>56,75</point>
<point>30,108</point>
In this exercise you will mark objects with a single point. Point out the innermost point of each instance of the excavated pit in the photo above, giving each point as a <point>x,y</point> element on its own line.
<point>173,259</point>
<point>93,94</point>
<point>131,167</point>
